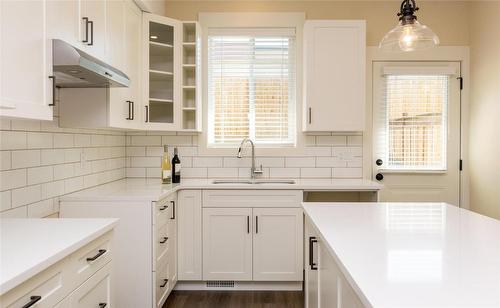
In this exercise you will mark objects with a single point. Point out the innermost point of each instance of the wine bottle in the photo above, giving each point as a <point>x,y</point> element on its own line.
<point>176,168</point>
<point>166,167</point>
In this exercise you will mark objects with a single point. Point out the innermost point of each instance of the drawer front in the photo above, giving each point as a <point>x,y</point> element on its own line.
<point>95,292</point>
<point>43,290</point>
<point>89,259</point>
<point>162,242</point>
<point>165,209</point>
<point>162,283</point>
<point>252,198</point>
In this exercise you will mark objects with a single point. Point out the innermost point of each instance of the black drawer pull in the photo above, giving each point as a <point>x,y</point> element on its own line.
<point>33,300</point>
<point>163,208</point>
<point>164,240</point>
<point>312,240</point>
<point>165,281</point>
<point>100,253</point>
<point>173,209</point>
<point>102,305</point>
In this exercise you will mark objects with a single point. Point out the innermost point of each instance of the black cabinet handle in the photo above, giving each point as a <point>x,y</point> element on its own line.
<point>91,23</point>
<point>147,113</point>
<point>129,111</point>
<point>310,115</point>
<point>173,209</point>
<point>165,281</point>
<point>312,240</point>
<point>53,90</point>
<point>256,224</point>
<point>102,305</point>
<point>86,20</point>
<point>33,300</point>
<point>100,253</point>
<point>164,208</point>
<point>164,240</point>
<point>133,111</point>
<point>248,224</point>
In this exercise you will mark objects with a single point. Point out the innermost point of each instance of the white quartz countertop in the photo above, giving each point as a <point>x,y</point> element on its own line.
<point>29,246</point>
<point>413,254</point>
<point>152,189</point>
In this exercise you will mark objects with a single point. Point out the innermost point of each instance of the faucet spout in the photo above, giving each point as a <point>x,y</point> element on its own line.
<point>253,170</point>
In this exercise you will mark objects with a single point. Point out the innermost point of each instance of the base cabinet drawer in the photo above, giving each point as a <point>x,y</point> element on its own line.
<point>252,198</point>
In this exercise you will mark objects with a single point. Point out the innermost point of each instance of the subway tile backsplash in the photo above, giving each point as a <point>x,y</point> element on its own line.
<point>327,155</point>
<point>40,162</point>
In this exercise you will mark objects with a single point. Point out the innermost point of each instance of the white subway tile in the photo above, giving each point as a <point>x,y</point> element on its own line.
<point>91,153</point>
<point>82,140</point>
<point>318,151</point>
<point>347,153</point>
<point>99,166</point>
<point>331,140</point>
<point>19,212</point>
<point>5,160</point>
<point>25,158</point>
<point>347,173</point>
<point>157,151</point>
<point>145,162</point>
<point>63,171</point>
<point>244,173</point>
<point>12,179</point>
<point>284,172</point>
<point>5,124</point>
<point>222,172</point>
<point>330,162</point>
<point>270,162</point>
<point>92,180</point>
<point>354,140</point>
<point>64,141</point>
<point>52,156</point>
<point>235,162</point>
<point>82,168</point>
<point>187,151</point>
<point>40,175</point>
<point>145,140</point>
<point>73,184</point>
<point>293,162</point>
<point>176,140</point>
<point>72,155</point>
<point>26,195</point>
<point>357,162</point>
<point>136,151</point>
<point>310,140</point>
<point>39,140</point>
<point>98,140</point>
<point>153,172</point>
<point>5,200</point>
<point>41,209</point>
<point>194,172</point>
<point>136,172</point>
<point>10,140</point>
<point>315,173</point>
<point>52,189</point>
<point>209,162</point>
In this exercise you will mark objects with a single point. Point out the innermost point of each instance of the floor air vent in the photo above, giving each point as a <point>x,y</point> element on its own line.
<point>220,284</point>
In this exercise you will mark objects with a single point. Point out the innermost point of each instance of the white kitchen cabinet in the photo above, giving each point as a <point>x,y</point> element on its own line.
<point>26,90</point>
<point>162,41</point>
<point>325,285</point>
<point>125,107</point>
<point>227,244</point>
<point>334,75</point>
<point>189,235</point>
<point>63,21</point>
<point>277,244</point>
<point>93,27</point>
<point>95,292</point>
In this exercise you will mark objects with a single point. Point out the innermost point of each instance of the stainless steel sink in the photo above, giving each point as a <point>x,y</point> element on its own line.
<point>253,182</point>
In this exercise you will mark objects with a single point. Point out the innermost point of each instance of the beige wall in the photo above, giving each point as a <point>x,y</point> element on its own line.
<point>485,109</point>
<point>449,19</point>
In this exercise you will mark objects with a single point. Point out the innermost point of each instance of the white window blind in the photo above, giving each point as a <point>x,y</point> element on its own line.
<point>414,115</point>
<point>251,86</point>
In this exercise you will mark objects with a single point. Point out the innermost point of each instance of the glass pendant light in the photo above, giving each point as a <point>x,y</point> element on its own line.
<point>409,34</point>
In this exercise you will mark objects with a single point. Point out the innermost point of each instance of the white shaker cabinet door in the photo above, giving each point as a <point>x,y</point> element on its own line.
<point>334,75</point>
<point>277,244</point>
<point>93,27</point>
<point>227,244</point>
<point>25,60</point>
<point>311,285</point>
<point>189,248</point>
<point>95,292</point>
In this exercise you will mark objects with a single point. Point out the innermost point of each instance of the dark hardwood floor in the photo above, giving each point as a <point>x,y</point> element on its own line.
<point>235,299</point>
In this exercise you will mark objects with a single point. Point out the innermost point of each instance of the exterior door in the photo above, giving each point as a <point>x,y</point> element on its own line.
<point>416,127</point>
<point>277,244</point>
<point>227,244</point>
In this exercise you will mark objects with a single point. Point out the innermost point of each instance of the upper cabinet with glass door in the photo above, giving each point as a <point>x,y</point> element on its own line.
<point>162,74</point>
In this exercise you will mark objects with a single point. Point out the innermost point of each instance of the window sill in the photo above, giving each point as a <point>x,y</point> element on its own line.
<point>417,171</point>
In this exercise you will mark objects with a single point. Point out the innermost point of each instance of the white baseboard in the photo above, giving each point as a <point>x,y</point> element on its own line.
<point>241,286</point>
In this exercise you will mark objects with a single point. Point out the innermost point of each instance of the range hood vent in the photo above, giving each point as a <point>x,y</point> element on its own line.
<point>74,68</point>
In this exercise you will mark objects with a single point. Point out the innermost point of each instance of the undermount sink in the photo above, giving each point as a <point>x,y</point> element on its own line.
<point>253,182</point>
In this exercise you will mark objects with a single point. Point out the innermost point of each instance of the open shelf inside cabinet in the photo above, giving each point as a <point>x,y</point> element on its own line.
<point>190,76</point>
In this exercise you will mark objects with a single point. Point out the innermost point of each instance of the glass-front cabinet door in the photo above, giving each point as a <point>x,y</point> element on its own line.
<point>162,77</point>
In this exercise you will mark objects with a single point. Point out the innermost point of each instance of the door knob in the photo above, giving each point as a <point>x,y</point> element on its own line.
<point>379,176</point>
<point>379,162</point>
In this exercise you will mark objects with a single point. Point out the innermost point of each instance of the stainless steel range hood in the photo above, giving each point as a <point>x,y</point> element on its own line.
<point>74,68</point>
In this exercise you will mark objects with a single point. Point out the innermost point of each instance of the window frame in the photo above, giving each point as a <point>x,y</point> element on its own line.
<point>253,20</point>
